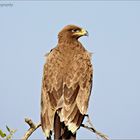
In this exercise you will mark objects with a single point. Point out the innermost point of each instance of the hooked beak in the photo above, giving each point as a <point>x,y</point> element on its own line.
<point>85,32</point>
<point>82,32</point>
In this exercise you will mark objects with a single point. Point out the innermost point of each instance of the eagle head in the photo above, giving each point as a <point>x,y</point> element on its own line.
<point>72,32</point>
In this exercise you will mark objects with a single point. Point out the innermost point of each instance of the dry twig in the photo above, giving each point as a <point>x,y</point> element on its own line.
<point>92,128</point>
<point>32,128</point>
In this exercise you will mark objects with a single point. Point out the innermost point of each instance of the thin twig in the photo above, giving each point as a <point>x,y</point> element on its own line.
<point>32,128</point>
<point>92,128</point>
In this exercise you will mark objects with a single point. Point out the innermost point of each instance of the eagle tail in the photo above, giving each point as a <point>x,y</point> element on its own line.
<point>68,135</point>
<point>61,132</point>
<point>49,138</point>
<point>70,130</point>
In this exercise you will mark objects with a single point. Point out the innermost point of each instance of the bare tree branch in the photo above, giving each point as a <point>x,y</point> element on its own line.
<point>32,128</point>
<point>92,128</point>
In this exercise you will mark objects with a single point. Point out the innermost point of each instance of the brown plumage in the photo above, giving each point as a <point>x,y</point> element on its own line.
<point>66,85</point>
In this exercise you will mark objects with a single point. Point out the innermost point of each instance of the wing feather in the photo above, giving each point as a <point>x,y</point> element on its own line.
<point>51,90</point>
<point>77,90</point>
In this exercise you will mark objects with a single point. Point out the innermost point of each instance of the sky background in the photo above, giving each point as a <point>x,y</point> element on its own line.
<point>29,29</point>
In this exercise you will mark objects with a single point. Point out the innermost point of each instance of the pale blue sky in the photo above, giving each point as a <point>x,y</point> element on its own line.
<point>29,29</point>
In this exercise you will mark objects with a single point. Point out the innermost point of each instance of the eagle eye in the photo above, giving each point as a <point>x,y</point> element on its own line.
<point>75,30</point>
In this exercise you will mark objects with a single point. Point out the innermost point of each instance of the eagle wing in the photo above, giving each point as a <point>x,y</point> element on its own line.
<point>77,88</point>
<point>51,89</point>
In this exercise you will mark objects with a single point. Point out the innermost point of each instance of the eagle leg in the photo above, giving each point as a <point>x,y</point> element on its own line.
<point>57,127</point>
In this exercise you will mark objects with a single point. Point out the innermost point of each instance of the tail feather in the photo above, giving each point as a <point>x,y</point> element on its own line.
<point>61,131</point>
<point>68,135</point>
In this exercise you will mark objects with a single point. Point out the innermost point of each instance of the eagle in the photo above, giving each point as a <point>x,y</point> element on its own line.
<point>66,85</point>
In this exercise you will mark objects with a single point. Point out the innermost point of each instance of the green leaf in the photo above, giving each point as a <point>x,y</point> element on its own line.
<point>2,134</point>
<point>8,128</point>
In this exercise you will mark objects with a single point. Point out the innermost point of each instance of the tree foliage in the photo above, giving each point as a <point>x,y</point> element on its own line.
<point>7,135</point>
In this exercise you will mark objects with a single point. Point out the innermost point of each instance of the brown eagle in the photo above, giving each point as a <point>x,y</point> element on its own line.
<point>66,85</point>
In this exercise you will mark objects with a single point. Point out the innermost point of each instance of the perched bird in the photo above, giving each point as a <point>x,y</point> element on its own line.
<point>66,85</point>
